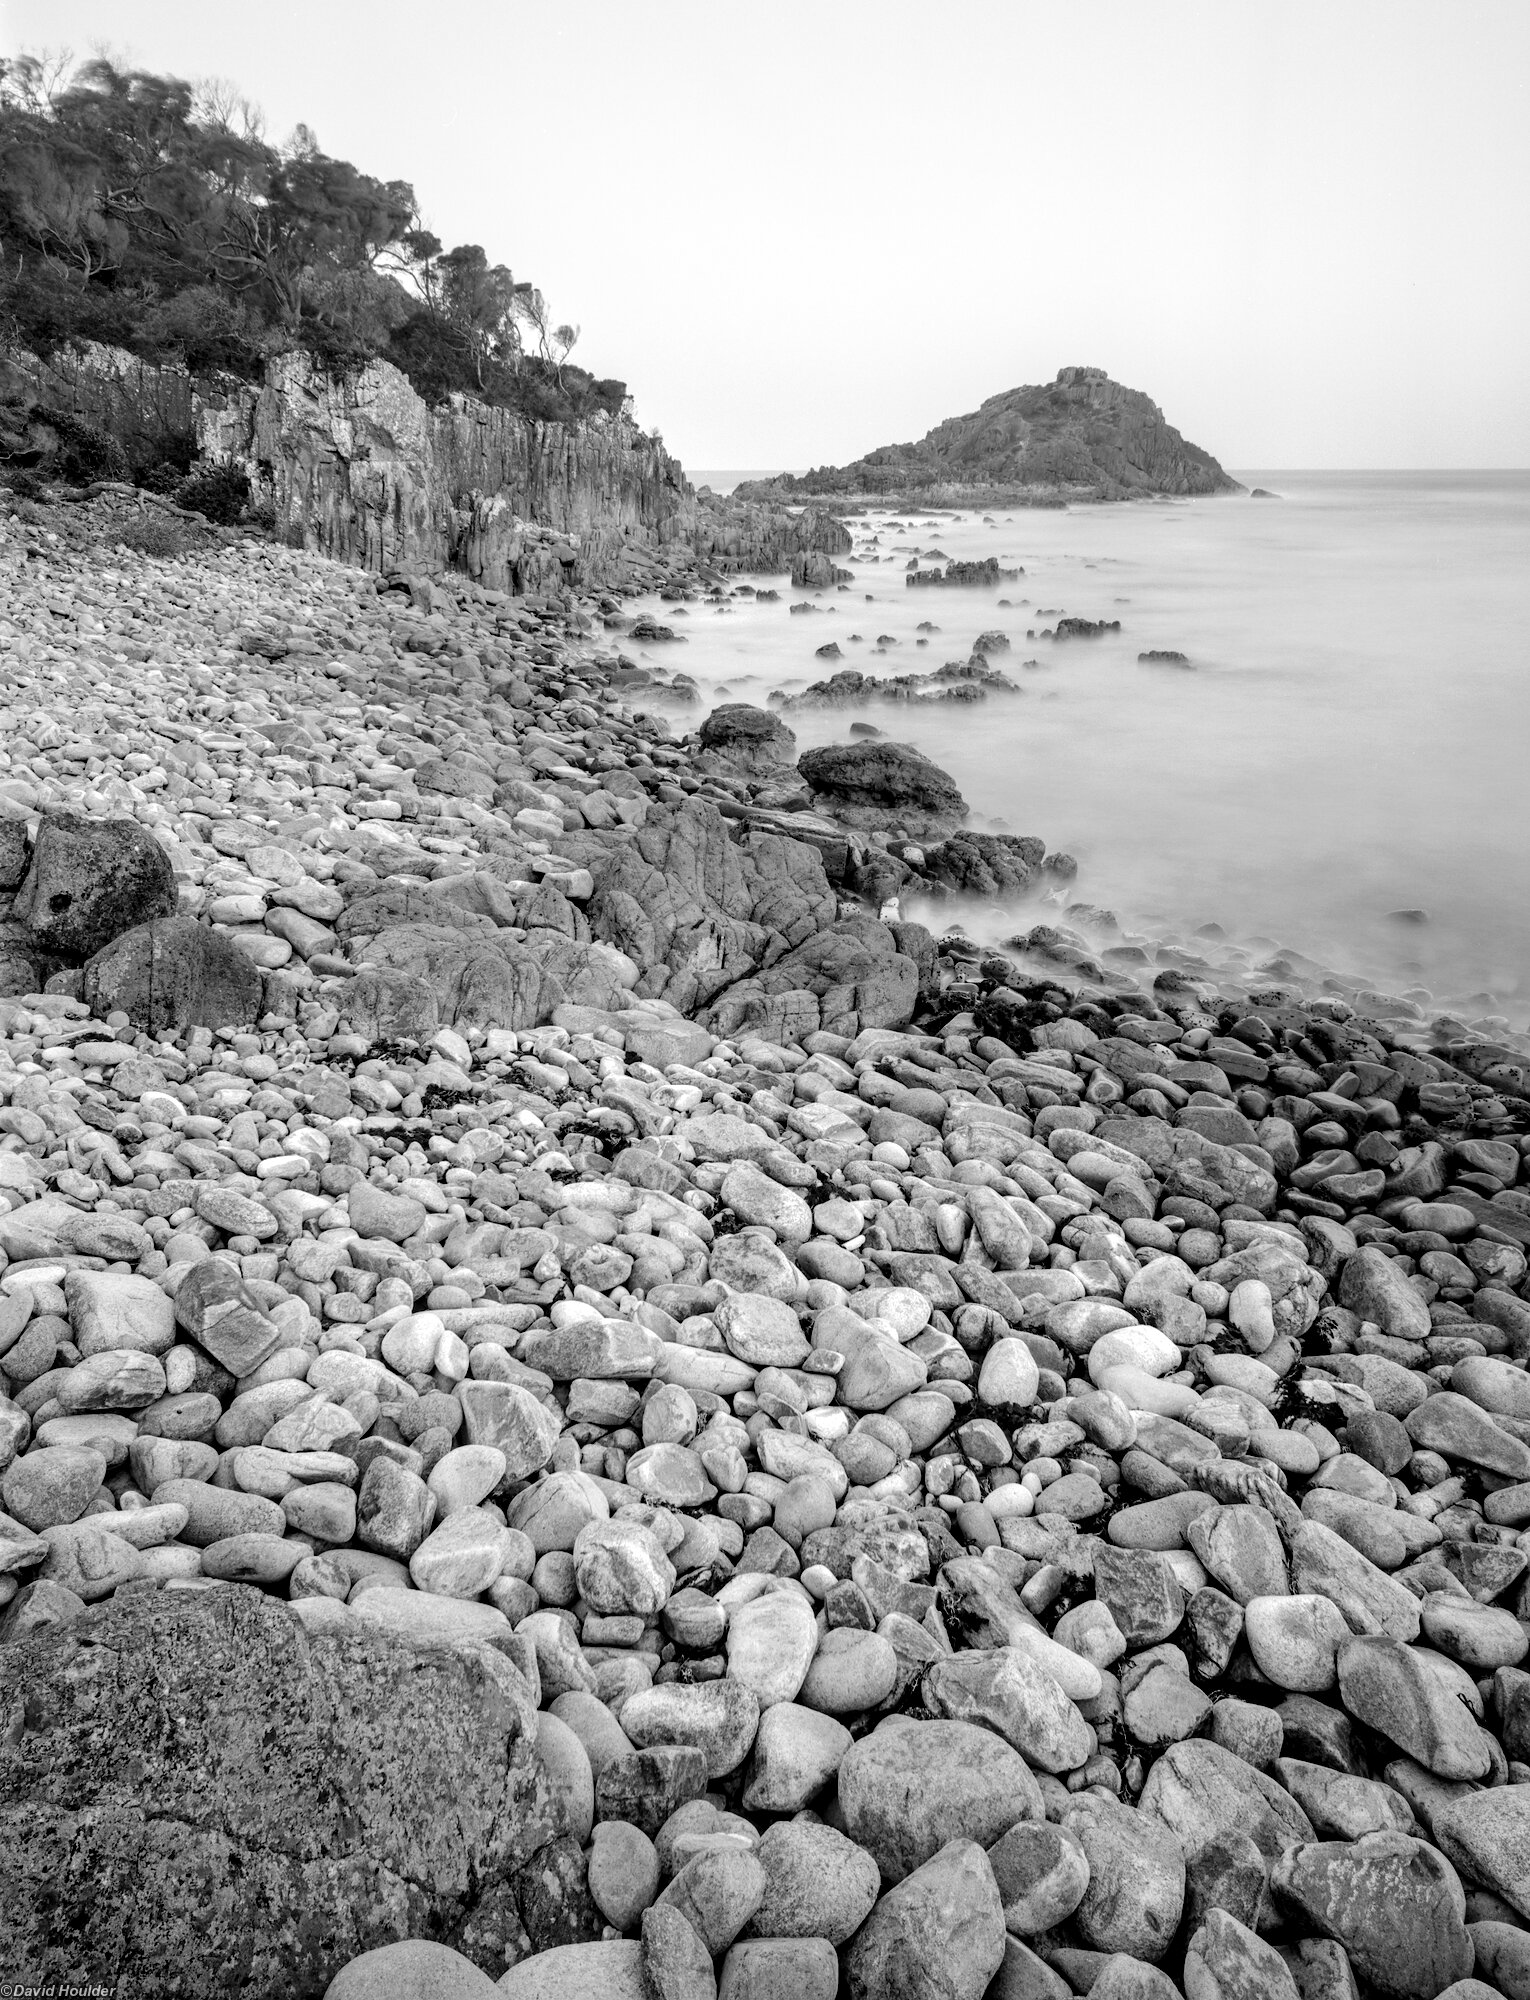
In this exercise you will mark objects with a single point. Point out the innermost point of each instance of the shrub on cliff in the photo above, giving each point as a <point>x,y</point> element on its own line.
<point>220,493</point>
<point>84,453</point>
<point>159,535</point>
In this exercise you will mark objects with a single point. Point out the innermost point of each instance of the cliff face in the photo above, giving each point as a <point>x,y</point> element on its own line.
<point>365,471</point>
<point>370,474</point>
<point>1082,436</point>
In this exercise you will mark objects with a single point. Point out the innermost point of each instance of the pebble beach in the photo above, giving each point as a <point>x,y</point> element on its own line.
<point>588,1412</point>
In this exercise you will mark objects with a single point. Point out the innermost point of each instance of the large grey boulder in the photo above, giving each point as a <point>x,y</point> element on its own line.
<point>88,881</point>
<point>174,974</point>
<point>740,740</point>
<point>204,1796</point>
<point>1394,1903</point>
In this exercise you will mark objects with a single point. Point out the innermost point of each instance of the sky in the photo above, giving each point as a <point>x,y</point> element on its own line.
<point>802,230</point>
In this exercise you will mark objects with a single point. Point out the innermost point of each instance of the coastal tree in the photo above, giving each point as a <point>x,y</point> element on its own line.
<point>155,214</point>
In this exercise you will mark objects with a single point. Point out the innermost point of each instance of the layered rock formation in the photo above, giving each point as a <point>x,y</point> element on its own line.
<point>1081,437</point>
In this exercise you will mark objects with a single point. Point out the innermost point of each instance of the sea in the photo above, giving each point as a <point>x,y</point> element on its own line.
<point>1338,780</point>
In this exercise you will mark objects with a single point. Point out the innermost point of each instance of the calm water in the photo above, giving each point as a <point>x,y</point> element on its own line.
<point>1353,737</point>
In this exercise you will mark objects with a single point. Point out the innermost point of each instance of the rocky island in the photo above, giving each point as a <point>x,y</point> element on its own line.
<point>1080,437</point>
<point>589,1413</point>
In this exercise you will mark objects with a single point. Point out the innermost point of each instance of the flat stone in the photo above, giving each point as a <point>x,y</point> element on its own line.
<point>1388,1687</point>
<point>1392,1902</point>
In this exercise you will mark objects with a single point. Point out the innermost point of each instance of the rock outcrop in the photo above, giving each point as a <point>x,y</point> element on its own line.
<point>1082,436</point>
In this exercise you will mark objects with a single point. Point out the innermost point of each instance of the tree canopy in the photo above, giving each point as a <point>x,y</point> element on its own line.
<point>154,214</point>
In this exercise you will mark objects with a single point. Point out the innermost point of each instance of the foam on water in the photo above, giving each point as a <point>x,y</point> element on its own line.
<point>1351,740</point>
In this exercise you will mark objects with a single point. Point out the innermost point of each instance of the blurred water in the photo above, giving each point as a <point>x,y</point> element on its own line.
<point>1353,737</point>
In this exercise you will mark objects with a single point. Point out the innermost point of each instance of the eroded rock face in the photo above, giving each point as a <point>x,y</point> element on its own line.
<point>90,880</point>
<point>295,1798</point>
<point>699,910</point>
<point>477,980</point>
<point>843,979</point>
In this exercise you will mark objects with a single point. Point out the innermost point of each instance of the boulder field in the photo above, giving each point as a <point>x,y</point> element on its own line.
<point>583,1417</point>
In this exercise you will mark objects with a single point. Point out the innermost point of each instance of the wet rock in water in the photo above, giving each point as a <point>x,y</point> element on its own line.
<point>866,783</point>
<point>746,741</point>
<point>1084,628</point>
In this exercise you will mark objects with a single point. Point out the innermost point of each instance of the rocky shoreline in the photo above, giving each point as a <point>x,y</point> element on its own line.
<point>586,1411</point>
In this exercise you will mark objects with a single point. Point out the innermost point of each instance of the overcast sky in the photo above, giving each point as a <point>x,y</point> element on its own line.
<point>803,229</point>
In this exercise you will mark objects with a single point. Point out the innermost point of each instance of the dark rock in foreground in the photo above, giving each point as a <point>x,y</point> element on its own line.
<point>197,1795</point>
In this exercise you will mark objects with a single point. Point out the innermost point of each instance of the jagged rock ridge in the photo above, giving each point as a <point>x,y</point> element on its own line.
<point>1081,436</point>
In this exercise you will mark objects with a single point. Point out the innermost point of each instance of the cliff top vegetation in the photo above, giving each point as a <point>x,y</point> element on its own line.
<point>154,214</point>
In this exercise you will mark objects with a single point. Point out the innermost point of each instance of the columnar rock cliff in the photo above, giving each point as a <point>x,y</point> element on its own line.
<point>364,470</point>
<point>373,475</point>
<point>1082,436</point>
